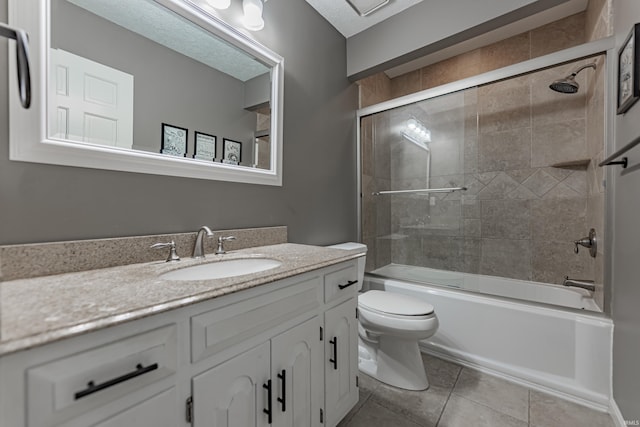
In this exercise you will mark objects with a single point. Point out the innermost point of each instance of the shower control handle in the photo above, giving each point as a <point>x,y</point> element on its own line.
<point>589,242</point>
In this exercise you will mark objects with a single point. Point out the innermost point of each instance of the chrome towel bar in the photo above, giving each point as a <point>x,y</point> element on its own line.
<point>422,190</point>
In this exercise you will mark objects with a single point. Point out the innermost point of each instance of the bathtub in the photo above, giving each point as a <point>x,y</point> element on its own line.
<point>562,350</point>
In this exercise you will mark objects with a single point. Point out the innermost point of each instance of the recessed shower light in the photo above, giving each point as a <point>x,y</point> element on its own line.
<point>366,7</point>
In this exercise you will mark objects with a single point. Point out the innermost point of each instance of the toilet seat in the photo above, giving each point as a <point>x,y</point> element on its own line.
<point>393,304</point>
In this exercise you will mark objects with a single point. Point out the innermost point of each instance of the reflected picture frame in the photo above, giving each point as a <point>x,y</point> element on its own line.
<point>232,151</point>
<point>629,71</point>
<point>174,140</point>
<point>204,146</point>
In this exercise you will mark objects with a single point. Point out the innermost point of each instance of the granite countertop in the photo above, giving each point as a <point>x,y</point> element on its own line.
<point>40,310</point>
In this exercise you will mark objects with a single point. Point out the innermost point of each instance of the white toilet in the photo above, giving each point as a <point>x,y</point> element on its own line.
<point>390,326</point>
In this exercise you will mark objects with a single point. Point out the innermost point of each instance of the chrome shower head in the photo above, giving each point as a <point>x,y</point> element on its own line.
<point>566,85</point>
<point>569,83</point>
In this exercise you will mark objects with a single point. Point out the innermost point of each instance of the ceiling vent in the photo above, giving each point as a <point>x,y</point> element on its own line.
<point>367,7</point>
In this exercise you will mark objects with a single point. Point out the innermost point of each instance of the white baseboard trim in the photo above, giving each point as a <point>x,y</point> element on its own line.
<point>616,415</point>
<point>520,381</point>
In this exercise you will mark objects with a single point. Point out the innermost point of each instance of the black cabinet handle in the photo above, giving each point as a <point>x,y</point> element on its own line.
<point>283,400</point>
<point>334,343</point>
<point>269,410</point>
<point>349,283</point>
<point>92,387</point>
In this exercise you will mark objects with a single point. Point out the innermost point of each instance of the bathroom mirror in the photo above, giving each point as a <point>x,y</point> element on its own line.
<point>179,92</point>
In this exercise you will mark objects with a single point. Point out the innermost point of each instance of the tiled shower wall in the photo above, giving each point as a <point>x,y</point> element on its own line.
<point>520,215</point>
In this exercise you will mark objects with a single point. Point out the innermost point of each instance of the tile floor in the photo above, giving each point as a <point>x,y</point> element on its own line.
<point>462,397</point>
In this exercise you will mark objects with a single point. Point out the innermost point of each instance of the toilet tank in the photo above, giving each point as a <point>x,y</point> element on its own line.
<point>361,261</point>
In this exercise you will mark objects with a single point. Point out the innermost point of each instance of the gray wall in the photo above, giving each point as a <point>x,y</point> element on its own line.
<point>257,91</point>
<point>168,86</point>
<point>626,244</point>
<point>317,201</point>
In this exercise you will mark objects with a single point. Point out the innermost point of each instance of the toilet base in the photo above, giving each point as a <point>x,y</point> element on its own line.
<point>393,361</point>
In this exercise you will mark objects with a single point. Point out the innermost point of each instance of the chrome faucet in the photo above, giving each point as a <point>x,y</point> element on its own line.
<point>198,247</point>
<point>220,249</point>
<point>584,284</point>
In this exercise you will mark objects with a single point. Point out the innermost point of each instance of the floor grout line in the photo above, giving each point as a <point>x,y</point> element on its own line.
<point>444,407</point>
<point>491,408</point>
<point>445,393</point>
<point>355,414</point>
<point>529,409</point>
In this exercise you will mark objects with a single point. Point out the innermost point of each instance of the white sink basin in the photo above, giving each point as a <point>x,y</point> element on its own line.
<point>221,269</point>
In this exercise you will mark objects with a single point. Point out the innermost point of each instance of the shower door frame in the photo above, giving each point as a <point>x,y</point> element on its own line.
<point>605,46</point>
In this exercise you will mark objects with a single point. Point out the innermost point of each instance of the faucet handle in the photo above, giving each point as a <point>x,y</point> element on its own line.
<point>173,254</point>
<point>590,242</point>
<point>220,250</point>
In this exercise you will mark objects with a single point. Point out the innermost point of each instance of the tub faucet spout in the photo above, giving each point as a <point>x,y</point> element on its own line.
<point>584,284</point>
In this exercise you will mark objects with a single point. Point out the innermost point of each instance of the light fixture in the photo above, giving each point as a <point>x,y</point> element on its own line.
<point>417,133</point>
<point>253,14</point>
<point>219,4</point>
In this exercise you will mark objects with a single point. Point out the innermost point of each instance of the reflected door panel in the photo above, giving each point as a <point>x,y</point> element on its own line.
<point>90,102</point>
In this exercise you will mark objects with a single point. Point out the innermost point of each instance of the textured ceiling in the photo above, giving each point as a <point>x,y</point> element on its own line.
<point>176,33</point>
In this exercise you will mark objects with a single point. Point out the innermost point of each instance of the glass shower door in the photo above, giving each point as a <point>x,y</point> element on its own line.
<point>430,144</point>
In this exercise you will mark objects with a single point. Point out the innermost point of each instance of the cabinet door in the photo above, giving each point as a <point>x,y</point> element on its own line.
<point>297,374</point>
<point>341,360</point>
<point>232,394</point>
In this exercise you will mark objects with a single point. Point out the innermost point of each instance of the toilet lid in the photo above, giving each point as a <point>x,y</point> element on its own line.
<point>392,303</point>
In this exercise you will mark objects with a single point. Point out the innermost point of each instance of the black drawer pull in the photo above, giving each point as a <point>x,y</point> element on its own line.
<point>283,399</point>
<point>349,283</point>
<point>92,387</point>
<point>269,409</point>
<point>334,343</point>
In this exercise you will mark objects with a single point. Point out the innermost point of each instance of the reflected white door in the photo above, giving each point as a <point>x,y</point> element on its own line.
<point>89,102</point>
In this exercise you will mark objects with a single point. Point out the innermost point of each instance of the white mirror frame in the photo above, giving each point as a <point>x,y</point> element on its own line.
<point>28,136</point>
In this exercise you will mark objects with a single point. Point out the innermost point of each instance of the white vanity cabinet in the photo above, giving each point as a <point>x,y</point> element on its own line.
<point>296,368</point>
<point>279,380</point>
<point>113,377</point>
<point>277,383</point>
<point>280,354</point>
<point>341,342</point>
<point>231,394</point>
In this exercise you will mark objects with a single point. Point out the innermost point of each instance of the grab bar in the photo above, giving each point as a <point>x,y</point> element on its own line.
<point>423,190</point>
<point>624,161</point>
<point>22,54</point>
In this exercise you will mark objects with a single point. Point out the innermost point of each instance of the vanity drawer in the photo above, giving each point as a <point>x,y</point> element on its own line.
<point>229,325</point>
<point>66,388</point>
<point>341,284</point>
